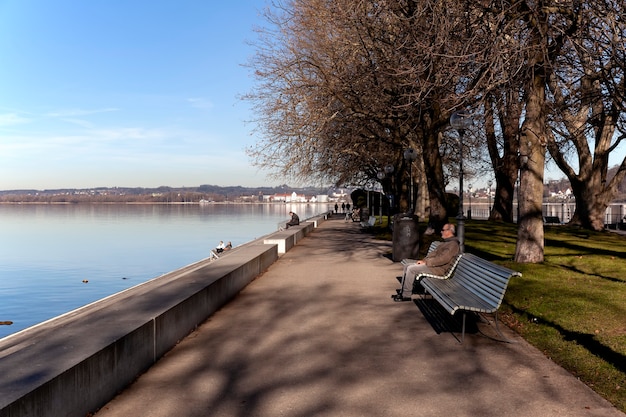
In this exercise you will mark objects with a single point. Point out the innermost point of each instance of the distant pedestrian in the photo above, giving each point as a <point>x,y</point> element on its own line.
<point>348,207</point>
<point>343,207</point>
<point>336,208</point>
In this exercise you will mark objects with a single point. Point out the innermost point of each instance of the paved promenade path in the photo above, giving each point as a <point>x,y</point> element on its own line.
<point>318,335</point>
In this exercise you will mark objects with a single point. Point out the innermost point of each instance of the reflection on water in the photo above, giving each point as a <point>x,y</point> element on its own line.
<point>55,258</point>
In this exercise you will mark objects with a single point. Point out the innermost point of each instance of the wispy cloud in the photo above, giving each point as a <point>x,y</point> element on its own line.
<point>112,141</point>
<point>200,103</point>
<point>71,113</point>
<point>10,119</point>
<point>78,116</point>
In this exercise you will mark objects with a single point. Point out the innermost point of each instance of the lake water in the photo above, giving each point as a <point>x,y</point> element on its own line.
<point>56,258</point>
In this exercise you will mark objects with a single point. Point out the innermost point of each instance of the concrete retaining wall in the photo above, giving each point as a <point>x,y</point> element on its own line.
<point>75,363</point>
<point>286,239</point>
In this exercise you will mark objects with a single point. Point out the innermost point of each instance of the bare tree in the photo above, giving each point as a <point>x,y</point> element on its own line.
<point>529,36</point>
<point>340,97</point>
<point>573,50</point>
<point>324,103</point>
<point>346,85</point>
<point>587,87</point>
<point>503,111</point>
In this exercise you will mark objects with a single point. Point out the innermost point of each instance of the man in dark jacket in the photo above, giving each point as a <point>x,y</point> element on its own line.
<point>437,262</point>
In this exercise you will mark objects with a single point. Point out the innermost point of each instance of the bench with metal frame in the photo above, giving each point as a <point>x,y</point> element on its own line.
<point>369,223</point>
<point>551,220</point>
<point>476,285</point>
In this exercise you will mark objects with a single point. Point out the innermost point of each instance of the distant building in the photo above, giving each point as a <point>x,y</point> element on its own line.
<point>339,194</point>
<point>287,198</point>
<point>562,195</point>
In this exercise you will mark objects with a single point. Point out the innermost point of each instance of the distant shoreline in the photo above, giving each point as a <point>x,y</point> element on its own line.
<point>138,203</point>
<point>205,194</point>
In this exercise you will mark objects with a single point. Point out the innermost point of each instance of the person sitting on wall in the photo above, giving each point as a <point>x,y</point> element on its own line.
<point>437,262</point>
<point>295,220</point>
<point>356,214</point>
<point>228,246</point>
<point>220,247</point>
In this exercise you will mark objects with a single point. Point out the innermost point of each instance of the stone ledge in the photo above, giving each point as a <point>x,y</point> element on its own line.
<point>75,363</point>
<point>288,238</point>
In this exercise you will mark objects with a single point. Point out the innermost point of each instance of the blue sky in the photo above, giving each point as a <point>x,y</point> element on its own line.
<point>129,93</point>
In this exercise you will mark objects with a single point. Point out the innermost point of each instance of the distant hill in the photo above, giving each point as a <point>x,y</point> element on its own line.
<point>162,194</point>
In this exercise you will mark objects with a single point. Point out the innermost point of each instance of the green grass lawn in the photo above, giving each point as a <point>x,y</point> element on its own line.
<point>572,306</point>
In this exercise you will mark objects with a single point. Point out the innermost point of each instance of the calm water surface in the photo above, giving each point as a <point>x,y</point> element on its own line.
<point>47,251</point>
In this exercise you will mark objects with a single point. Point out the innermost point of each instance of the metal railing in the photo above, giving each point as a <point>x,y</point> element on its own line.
<point>614,214</point>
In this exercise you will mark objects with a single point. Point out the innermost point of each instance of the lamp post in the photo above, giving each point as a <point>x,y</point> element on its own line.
<point>388,171</point>
<point>460,121</point>
<point>409,156</point>
<point>489,183</point>
<point>470,190</point>
<point>381,176</point>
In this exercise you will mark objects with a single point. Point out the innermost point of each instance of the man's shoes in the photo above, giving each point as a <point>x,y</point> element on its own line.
<point>399,298</point>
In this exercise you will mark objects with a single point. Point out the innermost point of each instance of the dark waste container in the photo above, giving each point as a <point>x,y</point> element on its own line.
<point>406,237</point>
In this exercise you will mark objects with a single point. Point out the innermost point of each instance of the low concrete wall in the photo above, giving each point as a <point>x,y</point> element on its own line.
<point>286,239</point>
<point>283,240</point>
<point>74,364</point>
<point>317,220</point>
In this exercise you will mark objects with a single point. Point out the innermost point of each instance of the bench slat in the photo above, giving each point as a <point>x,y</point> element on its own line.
<point>489,288</point>
<point>476,285</point>
<point>453,297</point>
<point>484,278</point>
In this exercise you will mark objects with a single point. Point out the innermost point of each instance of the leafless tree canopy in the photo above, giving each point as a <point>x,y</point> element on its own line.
<point>344,86</point>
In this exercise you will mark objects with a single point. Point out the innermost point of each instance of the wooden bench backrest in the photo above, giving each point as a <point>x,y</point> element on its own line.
<point>551,220</point>
<point>485,279</point>
<point>431,248</point>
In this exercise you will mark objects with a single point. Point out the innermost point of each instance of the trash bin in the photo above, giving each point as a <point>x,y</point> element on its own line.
<point>406,237</point>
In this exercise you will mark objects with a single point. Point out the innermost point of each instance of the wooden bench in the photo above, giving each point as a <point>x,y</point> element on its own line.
<point>551,220</point>
<point>369,223</point>
<point>476,285</point>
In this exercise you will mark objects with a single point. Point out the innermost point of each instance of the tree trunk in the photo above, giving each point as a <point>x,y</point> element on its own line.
<point>592,199</point>
<point>503,111</point>
<point>503,198</point>
<point>530,234</point>
<point>589,212</point>
<point>438,215</point>
<point>421,189</point>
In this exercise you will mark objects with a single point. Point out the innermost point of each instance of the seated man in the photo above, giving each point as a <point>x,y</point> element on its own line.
<point>295,220</point>
<point>220,247</point>
<point>437,262</point>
